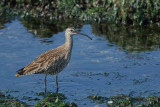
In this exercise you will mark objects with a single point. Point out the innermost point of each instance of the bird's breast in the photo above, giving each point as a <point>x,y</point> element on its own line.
<point>60,63</point>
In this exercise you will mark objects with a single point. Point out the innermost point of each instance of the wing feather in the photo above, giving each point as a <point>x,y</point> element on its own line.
<point>45,62</point>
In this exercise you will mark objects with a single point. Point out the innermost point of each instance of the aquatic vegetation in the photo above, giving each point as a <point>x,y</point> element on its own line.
<point>49,100</point>
<point>124,100</point>
<point>30,98</point>
<point>99,99</point>
<point>122,11</point>
<point>9,101</point>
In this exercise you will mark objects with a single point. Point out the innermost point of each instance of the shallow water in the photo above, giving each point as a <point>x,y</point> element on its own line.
<point>119,60</point>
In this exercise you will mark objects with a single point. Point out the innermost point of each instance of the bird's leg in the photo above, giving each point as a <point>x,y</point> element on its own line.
<point>45,85</point>
<point>57,86</point>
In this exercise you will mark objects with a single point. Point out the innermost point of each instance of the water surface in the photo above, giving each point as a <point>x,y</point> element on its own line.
<point>119,60</point>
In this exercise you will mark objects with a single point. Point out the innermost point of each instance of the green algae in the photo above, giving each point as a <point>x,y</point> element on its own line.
<point>9,101</point>
<point>133,12</point>
<point>49,100</point>
<point>122,100</point>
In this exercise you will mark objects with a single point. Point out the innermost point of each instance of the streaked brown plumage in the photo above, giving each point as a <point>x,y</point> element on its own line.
<point>50,62</point>
<point>53,61</point>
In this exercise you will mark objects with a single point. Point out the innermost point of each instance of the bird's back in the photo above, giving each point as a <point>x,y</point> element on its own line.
<point>50,62</point>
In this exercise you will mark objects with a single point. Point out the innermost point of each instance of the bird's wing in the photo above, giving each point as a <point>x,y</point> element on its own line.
<point>42,63</point>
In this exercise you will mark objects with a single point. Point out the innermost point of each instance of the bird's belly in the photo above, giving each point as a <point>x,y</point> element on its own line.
<point>53,70</point>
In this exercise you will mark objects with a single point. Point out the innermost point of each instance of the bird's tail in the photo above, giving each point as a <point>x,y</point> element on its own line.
<point>20,72</point>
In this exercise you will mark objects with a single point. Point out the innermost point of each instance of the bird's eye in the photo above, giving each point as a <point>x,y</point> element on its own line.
<point>72,30</point>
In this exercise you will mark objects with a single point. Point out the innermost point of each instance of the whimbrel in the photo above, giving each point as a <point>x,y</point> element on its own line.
<point>52,61</point>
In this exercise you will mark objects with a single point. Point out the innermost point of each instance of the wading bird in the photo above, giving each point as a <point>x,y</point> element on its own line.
<point>52,61</point>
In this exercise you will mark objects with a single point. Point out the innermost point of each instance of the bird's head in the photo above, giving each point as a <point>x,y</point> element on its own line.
<point>71,31</point>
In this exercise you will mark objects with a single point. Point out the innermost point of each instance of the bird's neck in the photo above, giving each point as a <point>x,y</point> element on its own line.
<point>69,43</point>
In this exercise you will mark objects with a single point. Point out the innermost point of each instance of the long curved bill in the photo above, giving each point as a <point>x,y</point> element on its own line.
<point>83,35</point>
